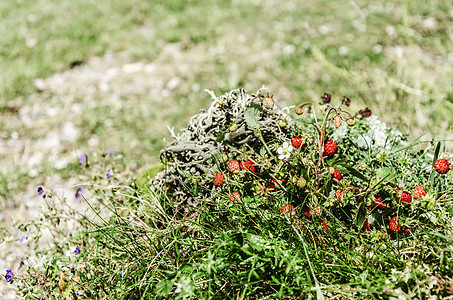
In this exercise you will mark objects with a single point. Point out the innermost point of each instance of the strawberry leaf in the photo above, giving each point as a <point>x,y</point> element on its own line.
<point>251,116</point>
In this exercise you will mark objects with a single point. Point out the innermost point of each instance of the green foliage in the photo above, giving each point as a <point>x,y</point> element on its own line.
<point>260,237</point>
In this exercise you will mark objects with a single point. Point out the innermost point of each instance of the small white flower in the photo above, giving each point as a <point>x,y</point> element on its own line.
<point>363,141</point>
<point>340,132</point>
<point>285,151</point>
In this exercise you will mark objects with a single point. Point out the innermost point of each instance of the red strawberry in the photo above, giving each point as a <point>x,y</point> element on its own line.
<point>297,142</point>
<point>379,203</point>
<point>326,225</point>
<point>442,166</point>
<point>406,198</point>
<point>288,208</point>
<point>234,196</point>
<point>337,121</point>
<point>366,225</point>
<point>419,192</point>
<point>394,225</point>
<point>337,174</point>
<point>248,165</point>
<point>330,148</point>
<point>219,179</point>
<point>233,166</point>
<point>275,185</point>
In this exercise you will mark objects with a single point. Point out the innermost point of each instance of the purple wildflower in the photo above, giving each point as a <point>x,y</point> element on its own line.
<point>79,193</point>
<point>77,250</point>
<point>79,293</point>
<point>21,265</point>
<point>40,190</point>
<point>83,158</point>
<point>69,268</point>
<point>9,276</point>
<point>109,173</point>
<point>111,152</point>
<point>23,237</point>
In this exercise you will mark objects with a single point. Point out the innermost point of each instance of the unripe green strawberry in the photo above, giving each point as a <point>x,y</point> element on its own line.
<point>282,123</point>
<point>300,182</point>
<point>219,179</point>
<point>233,127</point>
<point>268,103</point>
<point>350,121</point>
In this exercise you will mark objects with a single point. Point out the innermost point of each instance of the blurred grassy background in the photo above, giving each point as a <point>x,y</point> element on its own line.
<point>120,71</point>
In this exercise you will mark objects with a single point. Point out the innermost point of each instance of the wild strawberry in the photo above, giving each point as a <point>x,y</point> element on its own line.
<point>350,121</point>
<point>268,102</point>
<point>337,121</point>
<point>288,208</point>
<point>379,203</point>
<point>330,148</point>
<point>297,141</point>
<point>299,182</point>
<point>233,166</point>
<point>248,165</point>
<point>234,196</point>
<point>419,192</point>
<point>299,110</point>
<point>406,198</point>
<point>276,184</point>
<point>366,226</point>
<point>282,123</point>
<point>219,179</point>
<point>337,174</point>
<point>340,193</point>
<point>442,166</point>
<point>326,225</point>
<point>233,127</point>
<point>394,225</point>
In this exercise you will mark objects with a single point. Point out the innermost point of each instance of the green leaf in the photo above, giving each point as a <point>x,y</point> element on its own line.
<point>220,137</point>
<point>144,177</point>
<point>251,116</point>
<point>385,173</point>
<point>355,172</point>
<point>164,287</point>
<point>361,214</point>
<point>436,156</point>
<point>257,242</point>
<point>436,152</point>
